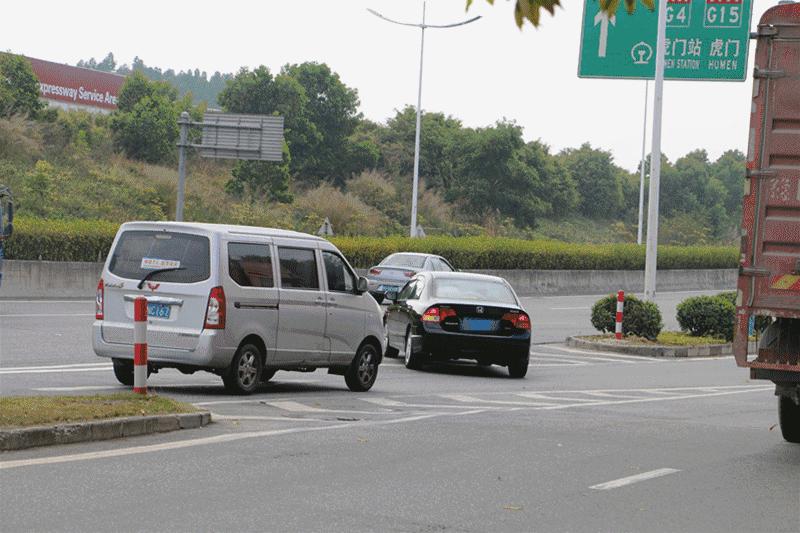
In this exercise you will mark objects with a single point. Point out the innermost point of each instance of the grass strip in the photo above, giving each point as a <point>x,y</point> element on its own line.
<point>24,411</point>
<point>665,338</point>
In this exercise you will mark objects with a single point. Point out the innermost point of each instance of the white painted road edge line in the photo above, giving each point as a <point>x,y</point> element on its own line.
<point>227,437</point>
<point>47,315</point>
<point>51,367</point>
<point>630,480</point>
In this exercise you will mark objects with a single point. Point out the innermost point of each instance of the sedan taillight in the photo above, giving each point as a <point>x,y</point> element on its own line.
<point>99,300</point>
<point>215,311</point>
<point>518,320</point>
<point>375,271</point>
<point>438,314</point>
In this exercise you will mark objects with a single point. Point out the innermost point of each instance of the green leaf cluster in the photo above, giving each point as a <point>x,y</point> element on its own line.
<point>19,88</point>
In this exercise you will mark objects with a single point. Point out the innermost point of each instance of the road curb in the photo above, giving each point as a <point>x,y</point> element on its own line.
<point>95,430</point>
<point>705,350</point>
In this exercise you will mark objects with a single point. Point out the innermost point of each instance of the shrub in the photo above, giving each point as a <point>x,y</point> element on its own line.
<point>707,316</point>
<point>640,318</point>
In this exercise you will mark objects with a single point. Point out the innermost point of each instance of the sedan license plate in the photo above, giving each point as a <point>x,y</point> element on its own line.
<point>387,288</point>
<point>158,310</point>
<point>478,324</point>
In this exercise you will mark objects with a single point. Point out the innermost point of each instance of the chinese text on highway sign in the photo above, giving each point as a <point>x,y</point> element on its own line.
<point>706,40</point>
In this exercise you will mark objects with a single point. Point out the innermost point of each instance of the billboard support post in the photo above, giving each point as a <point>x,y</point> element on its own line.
<point>183,121</point>
<point>651,257</point>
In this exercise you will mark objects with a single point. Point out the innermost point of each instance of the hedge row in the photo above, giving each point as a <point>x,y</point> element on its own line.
<point>57,240</point>
<point>504,254</point>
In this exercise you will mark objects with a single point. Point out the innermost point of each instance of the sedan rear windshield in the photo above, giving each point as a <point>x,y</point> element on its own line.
<point>139,252</point>
<point>404,260</point>
<point>477,290</point>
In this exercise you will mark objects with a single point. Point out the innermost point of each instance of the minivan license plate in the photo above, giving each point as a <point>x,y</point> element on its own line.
<point>158,310</point>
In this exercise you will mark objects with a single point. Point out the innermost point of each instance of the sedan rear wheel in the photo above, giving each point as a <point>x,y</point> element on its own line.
<point>410,359</point>
<point>518,368</point>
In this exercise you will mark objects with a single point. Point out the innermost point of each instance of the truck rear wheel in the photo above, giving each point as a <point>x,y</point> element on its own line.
<point>789,416</point>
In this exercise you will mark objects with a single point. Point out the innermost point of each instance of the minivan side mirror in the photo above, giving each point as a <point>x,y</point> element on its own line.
<point>362,285</point>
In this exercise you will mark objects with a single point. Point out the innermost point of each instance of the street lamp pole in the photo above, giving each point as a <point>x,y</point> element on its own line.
<point>641,170</point>
<point>422,27</point>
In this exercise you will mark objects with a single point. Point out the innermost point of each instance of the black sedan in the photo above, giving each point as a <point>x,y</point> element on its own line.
<point>440,316</point>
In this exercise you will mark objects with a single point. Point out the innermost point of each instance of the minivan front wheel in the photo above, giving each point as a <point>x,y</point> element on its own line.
<point>243,376</point>
<point>363,371</point>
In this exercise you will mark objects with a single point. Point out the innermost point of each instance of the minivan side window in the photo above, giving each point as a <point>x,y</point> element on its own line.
<point>298,268</point>
<point>250,265</point>
<point>339,276</point>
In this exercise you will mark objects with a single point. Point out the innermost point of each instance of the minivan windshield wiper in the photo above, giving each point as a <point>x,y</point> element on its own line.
<point>157,271</point>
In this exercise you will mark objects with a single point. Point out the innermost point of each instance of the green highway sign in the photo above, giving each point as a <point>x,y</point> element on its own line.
<point>706,40</point>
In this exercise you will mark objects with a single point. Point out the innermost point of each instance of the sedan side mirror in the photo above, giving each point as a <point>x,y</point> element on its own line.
<point>362,285</point>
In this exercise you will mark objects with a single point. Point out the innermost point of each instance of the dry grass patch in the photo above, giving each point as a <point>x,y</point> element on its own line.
<point>23,411</point>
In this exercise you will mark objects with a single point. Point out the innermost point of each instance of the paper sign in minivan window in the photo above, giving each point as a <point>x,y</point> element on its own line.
<point>152,263</point>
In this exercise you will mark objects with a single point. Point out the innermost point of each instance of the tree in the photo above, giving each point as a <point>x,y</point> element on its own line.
<point>597,179</point>
<point>258,92</point>
<point>108,64</point>
<point>439,151</point>
<point>531,9</point>
<point>145,124</point>
<point>555,186</point>
<point>19,88</point>
<point>492,177</point>
<point>332,107</point>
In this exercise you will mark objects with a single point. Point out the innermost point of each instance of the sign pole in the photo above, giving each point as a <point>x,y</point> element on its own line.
<point>641,172</point>
<point>183,121</point>
<point>655,158</point>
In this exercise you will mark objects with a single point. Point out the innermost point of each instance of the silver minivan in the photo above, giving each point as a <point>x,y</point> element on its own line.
<point>241,302</point>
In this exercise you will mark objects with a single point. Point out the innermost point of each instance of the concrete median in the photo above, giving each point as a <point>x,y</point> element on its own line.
<point>52,279</point>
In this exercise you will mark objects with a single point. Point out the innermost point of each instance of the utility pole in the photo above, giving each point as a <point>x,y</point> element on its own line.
<point>641,171</point>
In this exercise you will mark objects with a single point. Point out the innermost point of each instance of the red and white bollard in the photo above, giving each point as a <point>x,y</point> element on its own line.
<point>620,307</point>
<point>140,345</point>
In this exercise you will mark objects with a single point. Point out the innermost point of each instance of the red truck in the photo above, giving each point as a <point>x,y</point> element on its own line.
<point>769,269</point>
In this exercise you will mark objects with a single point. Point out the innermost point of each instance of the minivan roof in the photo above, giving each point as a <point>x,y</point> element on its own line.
<point>230,229</point>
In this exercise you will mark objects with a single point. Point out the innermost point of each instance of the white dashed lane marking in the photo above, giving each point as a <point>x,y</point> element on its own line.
<point>630,480</point>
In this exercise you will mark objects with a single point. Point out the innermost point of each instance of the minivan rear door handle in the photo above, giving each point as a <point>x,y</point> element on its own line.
<point>155,299</point>
<point>331,302</point>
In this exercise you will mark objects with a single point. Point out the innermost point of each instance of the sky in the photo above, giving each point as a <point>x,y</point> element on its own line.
<point>479,73</point>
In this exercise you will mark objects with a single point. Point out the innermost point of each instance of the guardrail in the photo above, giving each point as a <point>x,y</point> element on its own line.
<point>53,279</point>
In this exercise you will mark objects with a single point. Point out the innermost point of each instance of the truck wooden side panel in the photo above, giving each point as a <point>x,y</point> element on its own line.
<point>769,281</point>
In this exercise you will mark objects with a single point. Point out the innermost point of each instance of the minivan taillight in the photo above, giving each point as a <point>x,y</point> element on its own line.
<point>99,300</point>
<point>215,311</point>
<point>518,320</point>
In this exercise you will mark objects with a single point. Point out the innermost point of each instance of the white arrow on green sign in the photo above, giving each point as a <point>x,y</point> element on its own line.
<point>706,40</point>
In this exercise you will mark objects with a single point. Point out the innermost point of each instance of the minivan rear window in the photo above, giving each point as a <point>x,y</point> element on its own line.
<point>140,251</point>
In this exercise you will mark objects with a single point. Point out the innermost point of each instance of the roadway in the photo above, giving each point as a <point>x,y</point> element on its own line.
<point>587,442</point>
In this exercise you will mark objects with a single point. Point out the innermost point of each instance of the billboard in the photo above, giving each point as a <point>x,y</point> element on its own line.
<point>77,88</point>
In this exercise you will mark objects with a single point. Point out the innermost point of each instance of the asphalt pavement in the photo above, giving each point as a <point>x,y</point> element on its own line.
<point>587,442</point>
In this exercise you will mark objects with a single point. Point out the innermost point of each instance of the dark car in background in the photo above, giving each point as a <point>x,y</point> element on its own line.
<point>442,316</point>
<point>391,274</point>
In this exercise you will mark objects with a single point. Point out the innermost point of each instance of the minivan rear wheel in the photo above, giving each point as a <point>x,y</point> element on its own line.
<point>243,376</point>
<point>363,371</point>
<point>123,370</point>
